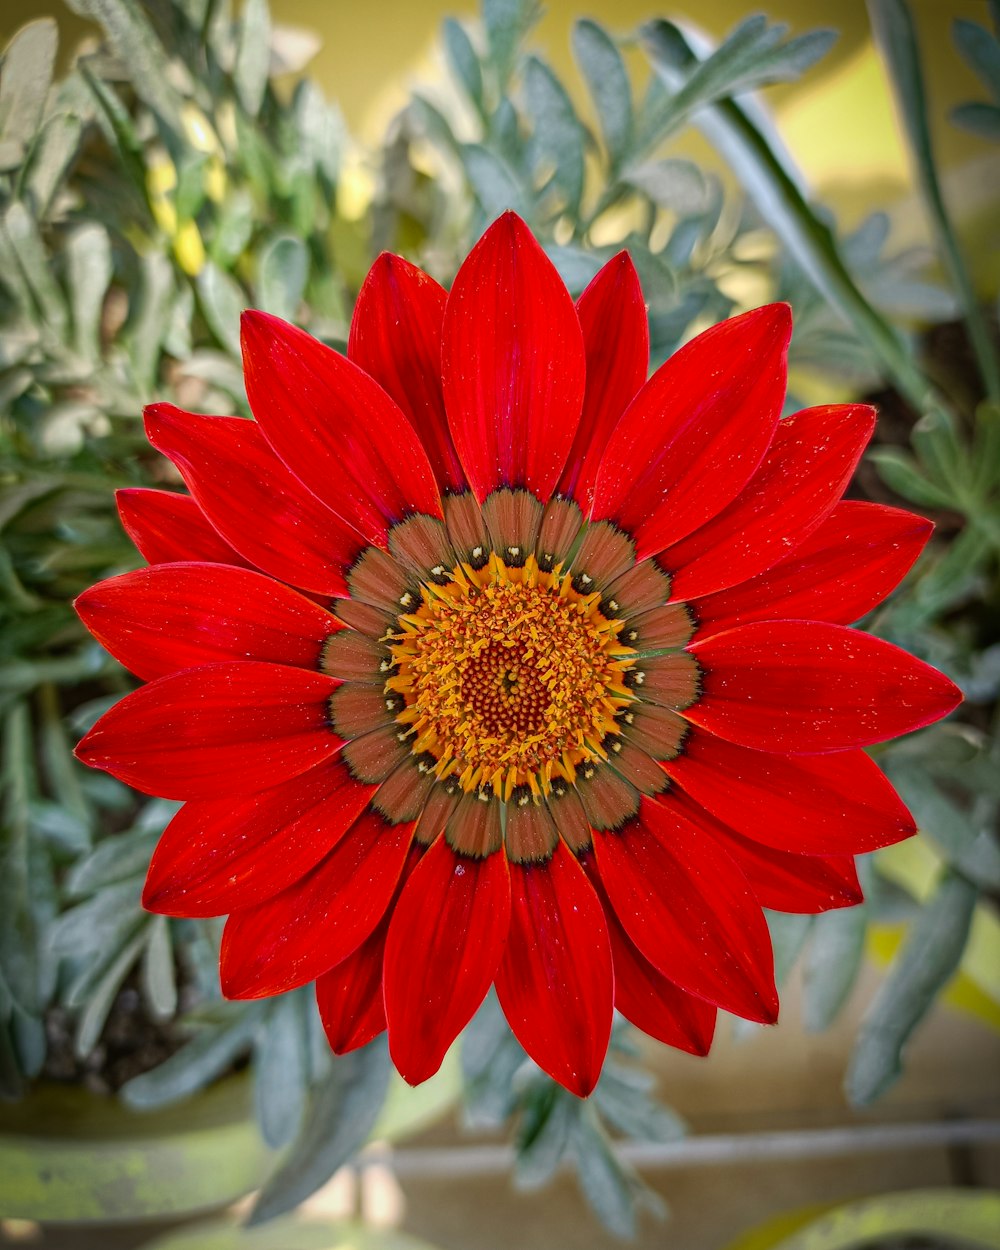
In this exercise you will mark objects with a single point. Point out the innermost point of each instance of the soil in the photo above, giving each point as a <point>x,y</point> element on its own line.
<point>132,1043</point>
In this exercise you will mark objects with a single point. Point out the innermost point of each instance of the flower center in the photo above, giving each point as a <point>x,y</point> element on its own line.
<point>509,676</point>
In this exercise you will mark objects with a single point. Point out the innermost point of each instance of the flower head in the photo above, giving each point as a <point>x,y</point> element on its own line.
<point>480,659</point>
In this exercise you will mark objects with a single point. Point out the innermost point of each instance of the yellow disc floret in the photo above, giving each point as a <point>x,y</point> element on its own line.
<point>509,677</point>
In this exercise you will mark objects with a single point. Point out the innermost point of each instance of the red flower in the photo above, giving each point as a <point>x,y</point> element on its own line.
<point>479,659</point>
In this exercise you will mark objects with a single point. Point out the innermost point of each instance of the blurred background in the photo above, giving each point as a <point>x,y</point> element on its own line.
<point>785,1124</point>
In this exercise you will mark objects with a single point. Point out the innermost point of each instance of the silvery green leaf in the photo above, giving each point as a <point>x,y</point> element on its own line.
<point>432,123</point>
<point>624,1097</point>
<point>832,962</point>
<point>253,55</point>
<point>896,39</point>
<point>981,52</point>
<point>493,182</point>
<point>102,922</point>
<point>88,261</point>
<point>27,252</point>
<point>222,301</point>
<point>607,80</point>
<point>18,939</point>
<point>281,1070</point>
<point>505,132</point>
<point>491,1057</point>
<point>282,273</point>
<point>611,1187</point>
<point>25,78</point>
<point>775,189</point>
<point>557,133</point>
<point>899,471</point>
<point>341,1114</point>
<point>957,572</point>
<point>677,185</point>
<point>101,998</point>
<point>218,369</point>
<point>60,827</point>
<point>159,980</point>
<point>144,335</point>
<point>63,771</point>
<point>51,156</point>
<point>202,1060</point>
<point>506,22</point>
<point>751,56</point>
<point>234,226</point>
<point>321,127</point>
<point>981,118</point>
<point>463,60</point>
<point>922,968</point>
<point>973,851</point>
<point>150,70</point>
<point>547,1122</point>
<point>177,340</point>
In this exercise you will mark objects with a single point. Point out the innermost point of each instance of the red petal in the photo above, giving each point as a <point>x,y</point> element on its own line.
<point>796,883</point>
<point>220,729</point>
<point>172,616</point>
<point>782,880</point>
<point>396,338</point>
<point>303,932</point>
<point>805,686</point>
<point>555,982</point>
<point>512,362</point>
<point>253,500</point>
<point>645,996</point>
<point>693,436</point>
<point>218,855</point>
<point>335,428</point>
<point>806,470</point>
<point>445,941</point>
<point>690,910</point>
<point>612,316</point>
<point>837,804</point>
<point>167,526</point>
<point>349,996</point>
<point>842,570</point>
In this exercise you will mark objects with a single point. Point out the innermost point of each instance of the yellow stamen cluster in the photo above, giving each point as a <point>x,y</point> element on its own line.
<point>509,676</point>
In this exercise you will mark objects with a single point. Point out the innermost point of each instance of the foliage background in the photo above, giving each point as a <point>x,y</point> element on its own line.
<point>182,168</point>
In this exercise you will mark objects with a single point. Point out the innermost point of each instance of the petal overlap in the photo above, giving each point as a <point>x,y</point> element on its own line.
<point>693,436</point>
<point>335,428</point>
<point>254,502</point>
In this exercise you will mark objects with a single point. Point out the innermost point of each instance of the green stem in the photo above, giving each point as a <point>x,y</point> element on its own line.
<point>892,24</point>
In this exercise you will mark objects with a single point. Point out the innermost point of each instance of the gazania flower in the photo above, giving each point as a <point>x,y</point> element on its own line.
<point>480,659</point>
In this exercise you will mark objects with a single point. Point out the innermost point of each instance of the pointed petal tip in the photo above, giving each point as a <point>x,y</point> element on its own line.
<point>158,419</point>
<point>259,328</point>
<point>582,1084</point>
<point>774,319</point>
<point>412,1067</point>
<point>510,225</point>
<point>158,898</point>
